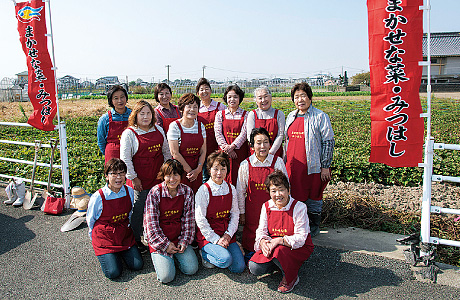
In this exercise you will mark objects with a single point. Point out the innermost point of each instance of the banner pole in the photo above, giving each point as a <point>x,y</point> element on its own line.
<point>428,160</point>
<point>61,126</point>
<point>54,60</point>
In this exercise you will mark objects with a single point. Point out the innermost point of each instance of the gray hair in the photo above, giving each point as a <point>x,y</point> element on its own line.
<point>262,88</point>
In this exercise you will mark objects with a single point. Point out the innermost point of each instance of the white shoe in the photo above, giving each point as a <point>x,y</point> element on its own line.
<point>21,191</point>
<point>206,263</point>
<point>11,193</point>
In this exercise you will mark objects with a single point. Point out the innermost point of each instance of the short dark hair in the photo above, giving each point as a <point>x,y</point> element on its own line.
<point>218,156</point>
<point>159,87</point>
<point>303,86</point>
<point>112,90</point>
<point>236,89</point>
<point>187,99</point>
<point>202,81</point>
<point>257,131</point>
<point>276,178</point>
<point>171,166</point>
<point>115,164</point>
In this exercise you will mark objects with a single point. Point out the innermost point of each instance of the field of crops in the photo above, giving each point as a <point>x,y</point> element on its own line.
<point>350,120</point>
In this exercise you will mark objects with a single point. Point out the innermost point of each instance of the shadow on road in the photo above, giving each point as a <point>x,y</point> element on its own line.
<point>14,232</point>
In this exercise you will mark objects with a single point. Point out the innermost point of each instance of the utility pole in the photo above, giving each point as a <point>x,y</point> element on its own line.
<point>168,66</point>
<point>204,67</point>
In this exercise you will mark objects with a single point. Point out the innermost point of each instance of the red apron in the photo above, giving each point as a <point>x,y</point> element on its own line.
<point>231,130</point>
<point>111,232</point>
<point>112,148</point>
<point>218,215</point>
<point>257,195</point>
<point>189,148</point>
<point>303,186</point>
<point>148,159</point>
<point>171,211</point>
<point>167,121</point>
<point>272,127</point>
<point>281,223</point>
<point>207,118</point>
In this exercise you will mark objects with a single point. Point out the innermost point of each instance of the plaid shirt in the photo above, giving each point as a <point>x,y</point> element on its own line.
<point>152,228</point>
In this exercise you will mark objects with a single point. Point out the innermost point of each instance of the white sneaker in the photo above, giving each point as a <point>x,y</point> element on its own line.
<point>18,202</point>
<point>206,263</point>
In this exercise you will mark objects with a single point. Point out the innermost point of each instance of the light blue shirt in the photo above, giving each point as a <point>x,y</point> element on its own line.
<point>95,204</point>
<point>318,128</point>
<point>103,126</point>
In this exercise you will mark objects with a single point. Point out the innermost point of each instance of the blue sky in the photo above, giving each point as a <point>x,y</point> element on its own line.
<point>234,39</point>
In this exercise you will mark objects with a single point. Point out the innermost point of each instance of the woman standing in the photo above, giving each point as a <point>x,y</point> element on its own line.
<point>267,117</point>
<point>216,215</point>
<point>108,214</point>
<point>282,238</point>
<point>165,112</point>
<point>230,130</point>
<point>111,124</point>
<point>187,140</point>
<point>169,223</point>
<point>310,147</point>
<point>207,115</point>
<point>250,187</point>
<point>144,149</point>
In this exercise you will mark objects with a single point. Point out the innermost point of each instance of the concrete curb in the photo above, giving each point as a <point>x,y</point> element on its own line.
<point>380,244</point>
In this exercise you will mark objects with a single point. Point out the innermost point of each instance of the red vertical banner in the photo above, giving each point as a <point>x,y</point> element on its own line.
<point>41,81</point>
<point>395,48</point>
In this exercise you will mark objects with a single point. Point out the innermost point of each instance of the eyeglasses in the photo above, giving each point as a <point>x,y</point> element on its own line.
<point>121,174</point>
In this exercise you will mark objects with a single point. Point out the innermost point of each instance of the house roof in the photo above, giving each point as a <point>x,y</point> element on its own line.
<point>25,73</point>
<point>443,44</point>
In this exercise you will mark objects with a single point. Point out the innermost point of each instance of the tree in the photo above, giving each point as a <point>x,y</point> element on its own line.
<point>132,83</point>
<point>361,78</point>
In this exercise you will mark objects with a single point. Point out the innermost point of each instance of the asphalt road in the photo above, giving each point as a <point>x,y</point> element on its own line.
<point>37,261</point>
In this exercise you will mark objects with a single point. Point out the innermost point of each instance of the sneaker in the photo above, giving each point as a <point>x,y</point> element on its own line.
<point>284,287</point>
<point>205,263</point>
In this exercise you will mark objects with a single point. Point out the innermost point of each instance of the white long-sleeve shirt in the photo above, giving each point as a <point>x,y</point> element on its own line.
<point>129,146</point>
<point>243,176</point>
<point>301,224</point>
<point>201,208</point>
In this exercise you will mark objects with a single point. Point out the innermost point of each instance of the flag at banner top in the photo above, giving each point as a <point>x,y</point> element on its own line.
<point>395,49</point>
<point>41,81</point>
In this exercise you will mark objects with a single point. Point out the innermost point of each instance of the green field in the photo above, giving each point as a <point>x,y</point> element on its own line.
<point>350,121</point>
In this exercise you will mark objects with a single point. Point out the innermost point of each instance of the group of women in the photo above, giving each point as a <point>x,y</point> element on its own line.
<point>181,165</point>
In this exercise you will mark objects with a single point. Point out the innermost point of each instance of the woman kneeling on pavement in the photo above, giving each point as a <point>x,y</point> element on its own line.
<point>216,215</point>
<point>169,224</point>
<point>108,216</point>
<point>282,238</point>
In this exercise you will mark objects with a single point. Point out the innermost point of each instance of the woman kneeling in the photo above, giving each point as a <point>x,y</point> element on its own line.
<point>282,238</point>
<point>169,224</point>
<point>216,215</point>
<point>108,215</point>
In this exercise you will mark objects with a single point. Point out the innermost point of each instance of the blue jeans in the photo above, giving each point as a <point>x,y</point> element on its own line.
<point>111,262</point>
<point>231,258</point>
<point>165,268</point>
